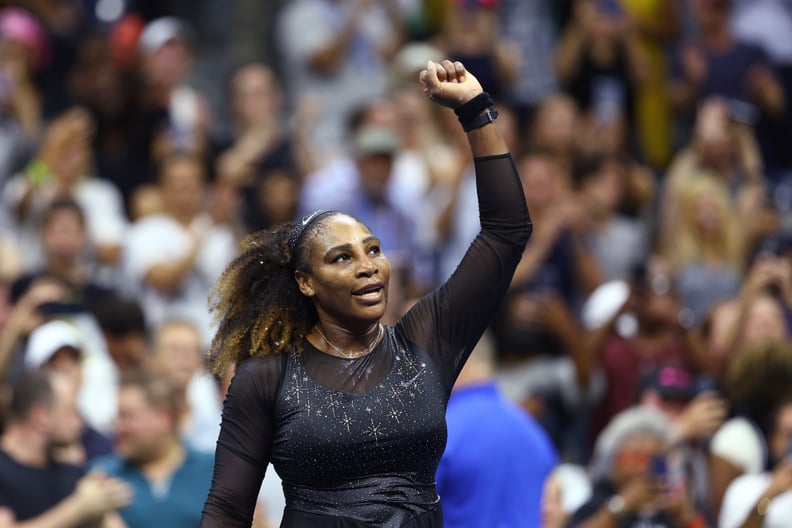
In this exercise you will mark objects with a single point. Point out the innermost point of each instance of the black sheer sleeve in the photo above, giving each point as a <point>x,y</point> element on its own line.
<point>245,443</point>
<point>448,323</point>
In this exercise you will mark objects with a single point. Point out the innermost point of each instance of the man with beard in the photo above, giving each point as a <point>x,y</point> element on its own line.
<point>170,480</point>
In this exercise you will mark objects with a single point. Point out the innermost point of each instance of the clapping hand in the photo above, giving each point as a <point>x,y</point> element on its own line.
<point>449,83</point>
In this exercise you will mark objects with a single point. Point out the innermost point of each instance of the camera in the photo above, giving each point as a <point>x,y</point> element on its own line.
<point>659,467</point>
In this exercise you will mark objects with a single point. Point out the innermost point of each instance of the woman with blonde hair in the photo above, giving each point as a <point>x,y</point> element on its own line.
<point>704,247</point>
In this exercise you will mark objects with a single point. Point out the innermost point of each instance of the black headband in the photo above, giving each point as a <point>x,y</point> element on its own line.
<point>299,227</point>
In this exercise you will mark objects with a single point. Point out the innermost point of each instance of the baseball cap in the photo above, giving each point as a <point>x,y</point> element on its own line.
<point>162,30</point>
<point>47,339</point>
<point>672,382</point>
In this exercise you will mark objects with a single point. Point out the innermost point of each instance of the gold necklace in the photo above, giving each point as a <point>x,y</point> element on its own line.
<point>347,355</point>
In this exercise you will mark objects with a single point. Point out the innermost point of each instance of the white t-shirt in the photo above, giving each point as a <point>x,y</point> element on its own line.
<point>743,494</point>
<point>159,239</point>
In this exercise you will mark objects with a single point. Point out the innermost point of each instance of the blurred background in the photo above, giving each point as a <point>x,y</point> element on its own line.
<point>141,140</point>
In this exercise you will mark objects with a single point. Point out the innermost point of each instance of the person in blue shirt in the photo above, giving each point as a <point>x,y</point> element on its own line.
<point>496,458</point>
<point>170,480</point>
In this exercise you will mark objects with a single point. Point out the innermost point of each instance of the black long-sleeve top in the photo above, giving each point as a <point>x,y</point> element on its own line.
<point>359,440</point>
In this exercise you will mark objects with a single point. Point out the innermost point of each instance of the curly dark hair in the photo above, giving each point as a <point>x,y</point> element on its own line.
<point>759,378</point>
<point>256,303</point>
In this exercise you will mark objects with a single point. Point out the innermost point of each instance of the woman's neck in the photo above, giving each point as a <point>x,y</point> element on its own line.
<point>339,341</point>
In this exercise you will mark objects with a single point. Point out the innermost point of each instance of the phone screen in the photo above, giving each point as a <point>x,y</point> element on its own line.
<point>659,467</point>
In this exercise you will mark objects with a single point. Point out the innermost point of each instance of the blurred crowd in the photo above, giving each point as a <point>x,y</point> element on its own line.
<point>647,329</point>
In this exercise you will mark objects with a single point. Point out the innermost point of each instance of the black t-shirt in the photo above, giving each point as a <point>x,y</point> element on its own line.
<point>30,491</point>
<point>359,440</point>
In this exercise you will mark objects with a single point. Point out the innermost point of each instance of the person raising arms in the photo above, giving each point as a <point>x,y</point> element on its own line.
<point>349,411</point>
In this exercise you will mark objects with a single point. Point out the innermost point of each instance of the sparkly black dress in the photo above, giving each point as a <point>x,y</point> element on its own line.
<point>357,442</point>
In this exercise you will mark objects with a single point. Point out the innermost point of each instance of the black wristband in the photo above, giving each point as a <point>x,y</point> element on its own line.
<point>489,115</point>
<point>474,107</point>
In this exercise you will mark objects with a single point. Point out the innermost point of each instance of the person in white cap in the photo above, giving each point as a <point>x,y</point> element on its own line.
<point>58,346</point>
<point>166,54</point>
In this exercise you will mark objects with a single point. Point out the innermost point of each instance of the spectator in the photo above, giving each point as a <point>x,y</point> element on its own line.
<point>556,257</point>
<point>695,409</point>
<point>630,486</point>
<point>42,416</point>
<point>721,146</point>
<point>339,62</point>
<point>178,117</point>
<point>706,253</point>
<point>764,500</point>
<point>173,258</point>
<point>63,169</point>
<point>260,163</point>
<point>618,243</point>
<point>505,487</point>
<point>756,316</point>
<point>61,347</point>
<point>178,354</point>
<point>115,97</point>
<point>66,257</point>
<point>170,480</point>
<point>599,62</point>
<point>719,64</point>
<point>643,332</point>
<point>757,382</point>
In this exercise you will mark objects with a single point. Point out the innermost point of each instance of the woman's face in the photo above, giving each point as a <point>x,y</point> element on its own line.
<point>348,273</point>
<point>708,214</point>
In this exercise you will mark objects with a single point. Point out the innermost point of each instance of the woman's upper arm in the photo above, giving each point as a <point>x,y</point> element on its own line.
<point>244,445</point>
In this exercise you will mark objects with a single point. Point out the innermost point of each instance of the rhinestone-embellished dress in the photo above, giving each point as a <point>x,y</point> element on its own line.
<point>357,442</point>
